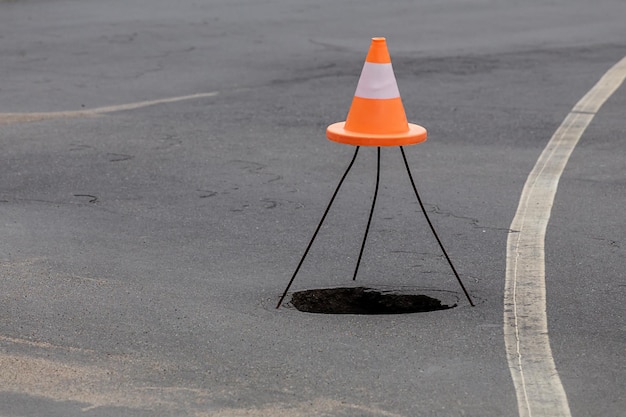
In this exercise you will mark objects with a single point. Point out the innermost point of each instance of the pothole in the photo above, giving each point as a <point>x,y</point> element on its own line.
<point>362,300</point>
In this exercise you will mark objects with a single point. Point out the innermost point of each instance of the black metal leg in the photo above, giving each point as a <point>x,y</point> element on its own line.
<point>369,220</point>
<point>293,277</point>
<point>419,200</point>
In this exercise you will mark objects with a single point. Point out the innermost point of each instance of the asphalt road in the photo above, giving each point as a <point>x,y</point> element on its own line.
<point>143,248</point>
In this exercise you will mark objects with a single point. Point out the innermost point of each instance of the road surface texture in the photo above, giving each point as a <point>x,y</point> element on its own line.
<point>164,164</point>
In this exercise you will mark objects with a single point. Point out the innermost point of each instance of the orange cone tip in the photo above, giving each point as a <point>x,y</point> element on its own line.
<point>376,116</point>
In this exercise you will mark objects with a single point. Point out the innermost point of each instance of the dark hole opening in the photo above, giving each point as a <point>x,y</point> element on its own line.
<point>361,300</point>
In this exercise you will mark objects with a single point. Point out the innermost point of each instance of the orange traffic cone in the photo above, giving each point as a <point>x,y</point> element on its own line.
<point>377,117</point>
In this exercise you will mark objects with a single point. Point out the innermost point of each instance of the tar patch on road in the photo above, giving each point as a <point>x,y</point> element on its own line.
<point>361,300</point>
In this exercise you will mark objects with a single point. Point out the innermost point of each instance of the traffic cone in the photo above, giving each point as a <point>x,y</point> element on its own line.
<point>377,117</point>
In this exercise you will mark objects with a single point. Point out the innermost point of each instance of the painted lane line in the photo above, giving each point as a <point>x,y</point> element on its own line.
<point>537,383</point>
<point>6,118</point>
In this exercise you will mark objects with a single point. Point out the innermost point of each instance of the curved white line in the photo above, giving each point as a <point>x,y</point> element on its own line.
<point>6,118</point>
<point>537,383</point>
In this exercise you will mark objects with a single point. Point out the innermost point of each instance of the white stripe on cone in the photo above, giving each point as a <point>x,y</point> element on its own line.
<point>377,81</point>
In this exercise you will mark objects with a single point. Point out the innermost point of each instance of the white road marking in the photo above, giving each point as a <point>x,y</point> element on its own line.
<point>6,118</point>
<point>537,383</point>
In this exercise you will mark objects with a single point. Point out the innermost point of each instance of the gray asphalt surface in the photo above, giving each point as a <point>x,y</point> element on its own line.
<point>142,251</point>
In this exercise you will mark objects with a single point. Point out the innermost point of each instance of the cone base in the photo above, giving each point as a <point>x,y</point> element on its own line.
<point>337,133</point>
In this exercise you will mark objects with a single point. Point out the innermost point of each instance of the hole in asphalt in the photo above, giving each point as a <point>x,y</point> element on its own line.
<point>361,300</point>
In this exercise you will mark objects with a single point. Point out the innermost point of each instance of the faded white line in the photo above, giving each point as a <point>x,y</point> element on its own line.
<point>537,383</point>
<point>6,118</point>
<point>41,345</point>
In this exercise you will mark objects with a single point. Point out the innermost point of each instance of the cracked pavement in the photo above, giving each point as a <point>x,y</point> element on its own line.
<point>144,247</point>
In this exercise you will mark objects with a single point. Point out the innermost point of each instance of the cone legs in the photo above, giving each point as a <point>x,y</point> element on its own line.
<point>432,228</point>
<point>369,221</point>
<point>319,226</point>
